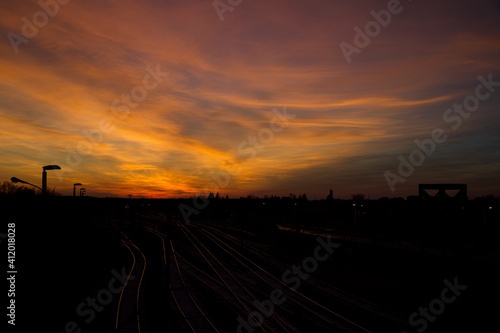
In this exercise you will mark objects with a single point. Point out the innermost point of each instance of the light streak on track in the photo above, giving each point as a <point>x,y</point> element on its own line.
<point>282,283</point>
<point>192,326</point>
<point>125,321</point>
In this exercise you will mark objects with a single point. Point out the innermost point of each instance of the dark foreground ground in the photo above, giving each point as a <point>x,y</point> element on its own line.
<point>399,266</point>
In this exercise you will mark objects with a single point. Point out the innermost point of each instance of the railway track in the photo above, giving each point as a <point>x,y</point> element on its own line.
<point>230,280</point>
<point>324,318</point>
<point>347,299</point>
<point>191,310</point>
<point>204,255</point>
<point>320,285</point>
<point>243,286</point>
<point>129,318</point>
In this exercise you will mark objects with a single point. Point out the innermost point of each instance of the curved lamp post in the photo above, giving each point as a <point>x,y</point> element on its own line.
<point>44,176</point>
<point>83,191</point>
<point>17,180</point>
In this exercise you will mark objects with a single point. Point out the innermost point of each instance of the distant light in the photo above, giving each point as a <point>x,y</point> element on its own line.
<point>490,207</point>
<point>354,205</point>
<point>361,206</point>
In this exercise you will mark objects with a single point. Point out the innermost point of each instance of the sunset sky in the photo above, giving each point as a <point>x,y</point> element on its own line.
<point>347,124</point>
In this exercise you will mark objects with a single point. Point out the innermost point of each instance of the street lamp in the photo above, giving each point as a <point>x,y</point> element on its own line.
<point>74,187</point>
<point>82,191</point>
<point>44,176</point>
<point>17,180</point>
